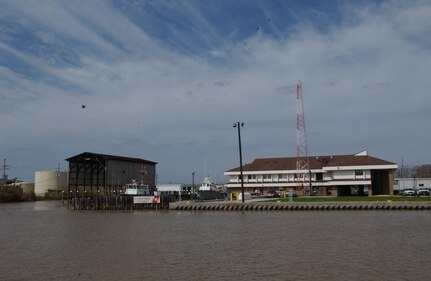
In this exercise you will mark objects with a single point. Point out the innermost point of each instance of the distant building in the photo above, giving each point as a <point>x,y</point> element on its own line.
<point>175,187</point>
<point>27,187</point>
<point>402,183</point>
<point>337,175</point>
<point>6,181</point>
<point>94,173</point>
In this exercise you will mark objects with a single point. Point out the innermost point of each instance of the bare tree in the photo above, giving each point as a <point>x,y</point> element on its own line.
<point>404,172</point>
<point>422,171</point>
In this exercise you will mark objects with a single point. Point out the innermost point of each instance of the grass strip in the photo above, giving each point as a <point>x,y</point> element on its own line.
<point>357,199</point>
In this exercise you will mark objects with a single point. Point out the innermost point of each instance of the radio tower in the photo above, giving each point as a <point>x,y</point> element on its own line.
<point>302,164</point>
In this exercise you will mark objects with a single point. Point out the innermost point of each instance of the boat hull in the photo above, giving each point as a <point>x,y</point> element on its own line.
<point>210,195</point>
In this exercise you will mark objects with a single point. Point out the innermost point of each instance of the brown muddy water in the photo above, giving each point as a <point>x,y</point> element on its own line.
<point>45,241</point>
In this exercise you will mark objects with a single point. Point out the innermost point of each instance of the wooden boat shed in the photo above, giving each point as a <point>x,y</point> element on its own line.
<point>102,174</point>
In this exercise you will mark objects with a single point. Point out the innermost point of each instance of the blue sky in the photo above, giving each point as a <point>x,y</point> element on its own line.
<point>165,81</point>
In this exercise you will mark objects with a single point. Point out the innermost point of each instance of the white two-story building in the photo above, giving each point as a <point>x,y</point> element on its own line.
<point>336,175</point>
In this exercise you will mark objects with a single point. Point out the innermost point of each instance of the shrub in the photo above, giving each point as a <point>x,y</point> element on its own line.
<point>29,197</point>
<point>10,193</point>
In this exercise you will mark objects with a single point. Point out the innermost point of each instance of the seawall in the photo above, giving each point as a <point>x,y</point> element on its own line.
<point>293,206</point>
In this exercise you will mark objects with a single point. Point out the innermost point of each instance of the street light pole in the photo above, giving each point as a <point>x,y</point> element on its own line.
<point>309,181</point>
<point>238,125</point>
<point>193,182</point>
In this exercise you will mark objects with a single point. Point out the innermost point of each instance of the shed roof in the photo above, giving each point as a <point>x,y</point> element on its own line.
<point>108,157</point>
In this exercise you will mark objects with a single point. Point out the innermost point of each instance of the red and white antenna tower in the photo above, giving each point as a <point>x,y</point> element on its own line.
<point>302,165</point>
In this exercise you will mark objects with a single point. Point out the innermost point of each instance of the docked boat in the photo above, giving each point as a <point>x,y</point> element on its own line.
<point>206,184</point>
<point>135,188</point>
<point>208,191</point>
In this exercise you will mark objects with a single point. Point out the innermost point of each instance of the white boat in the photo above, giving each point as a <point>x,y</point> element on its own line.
<point>135,188</point>
<point>209,191</point>
<point>206,185</point>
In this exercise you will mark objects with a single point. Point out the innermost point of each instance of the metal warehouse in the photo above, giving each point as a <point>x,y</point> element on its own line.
<point>102,174</point>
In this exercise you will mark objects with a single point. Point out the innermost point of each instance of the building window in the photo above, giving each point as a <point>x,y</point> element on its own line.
<point>359,172</point>
<point>266,177</point>
<point>251,177</point>
<point>319,176</point>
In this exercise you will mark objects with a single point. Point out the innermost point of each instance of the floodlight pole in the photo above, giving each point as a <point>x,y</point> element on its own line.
<point>238,125</point>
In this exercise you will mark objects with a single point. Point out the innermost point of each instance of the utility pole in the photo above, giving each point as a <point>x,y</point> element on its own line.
<point>4,168</point>
<point>402,172</point>
<point>239,125</point>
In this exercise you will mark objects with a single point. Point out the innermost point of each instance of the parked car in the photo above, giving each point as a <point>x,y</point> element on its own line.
<point>273,194</point>
<point>269,194</point>
<point>423,191</point>
<point>255,194</point>
<point>409,192</point>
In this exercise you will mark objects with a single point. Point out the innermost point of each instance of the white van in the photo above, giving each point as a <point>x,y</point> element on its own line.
<point>247,196</point>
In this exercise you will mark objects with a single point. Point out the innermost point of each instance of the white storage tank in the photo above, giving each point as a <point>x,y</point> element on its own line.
<point>49,180</point>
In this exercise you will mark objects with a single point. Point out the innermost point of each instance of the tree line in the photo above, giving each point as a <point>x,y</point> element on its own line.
<point>419,171</point>
<point>11,193</point>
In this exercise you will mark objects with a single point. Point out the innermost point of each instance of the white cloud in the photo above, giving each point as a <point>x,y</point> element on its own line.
<point>365,85</point>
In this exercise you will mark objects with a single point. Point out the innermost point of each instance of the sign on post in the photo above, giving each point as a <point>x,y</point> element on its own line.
<point>146,199</point>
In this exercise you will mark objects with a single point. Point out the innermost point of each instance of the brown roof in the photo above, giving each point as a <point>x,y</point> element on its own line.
<point>316,162</point>
<point>109,157</point>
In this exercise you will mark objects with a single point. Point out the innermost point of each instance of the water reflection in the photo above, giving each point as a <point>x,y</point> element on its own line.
<point>43,240</point>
